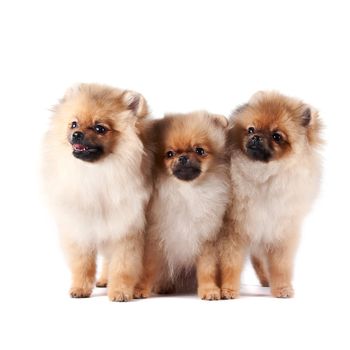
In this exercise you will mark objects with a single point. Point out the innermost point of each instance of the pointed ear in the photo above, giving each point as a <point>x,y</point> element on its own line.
<point>306,116</point>
<point>71,91</point>
<point>136,103</point>
<point>257,96</point>
<point>220,120</point>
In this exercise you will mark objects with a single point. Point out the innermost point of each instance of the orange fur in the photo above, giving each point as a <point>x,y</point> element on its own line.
<point>99,203</point>
<point>185,216</point>
<point>271,194</point>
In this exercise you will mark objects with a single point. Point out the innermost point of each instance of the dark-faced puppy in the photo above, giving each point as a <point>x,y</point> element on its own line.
<point>275,173</point>
<point>188,203</point>
<point>97,178</point>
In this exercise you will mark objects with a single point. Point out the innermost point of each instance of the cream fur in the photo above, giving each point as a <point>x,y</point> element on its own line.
<point>95,203</point>
<point>100,207</point>
<point>186,215</point>
<point>271,198</point>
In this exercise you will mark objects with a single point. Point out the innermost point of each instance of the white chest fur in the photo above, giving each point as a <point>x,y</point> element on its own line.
<point>272,198</point>
<point>186,215</point>
<point>95,203</point>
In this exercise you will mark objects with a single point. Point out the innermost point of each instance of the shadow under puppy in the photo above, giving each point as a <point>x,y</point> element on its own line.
<point>191,192</point>
<point>97,178</point>
<point>275,173</point>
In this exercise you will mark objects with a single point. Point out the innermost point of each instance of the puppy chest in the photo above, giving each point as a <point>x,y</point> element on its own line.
<point>266,217</point>
<point>184,223</point>
<point>99,216</point>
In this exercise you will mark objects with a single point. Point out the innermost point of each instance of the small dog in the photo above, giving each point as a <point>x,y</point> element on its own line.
<point>97,178</point>
<point>275,172</point>
<point>191,192</point>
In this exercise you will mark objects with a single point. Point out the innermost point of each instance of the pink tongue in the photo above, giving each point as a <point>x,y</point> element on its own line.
<point>79,147</point>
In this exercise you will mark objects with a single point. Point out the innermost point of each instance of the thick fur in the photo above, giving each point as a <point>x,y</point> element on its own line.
<point>270,198</point>
<point>185,216</point>
<point>100,206</point>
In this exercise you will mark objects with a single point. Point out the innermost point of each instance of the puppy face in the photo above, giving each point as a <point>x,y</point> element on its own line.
<point>272,126</point>
<point>94,117</point>
<point>190,144</point>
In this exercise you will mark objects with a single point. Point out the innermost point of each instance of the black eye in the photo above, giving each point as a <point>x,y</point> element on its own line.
<point>251,130</point>
<point>277,137</point>
<point>170,154</point>
<point>100,129</point>
<point>200,151</point>
<point>74,125</point>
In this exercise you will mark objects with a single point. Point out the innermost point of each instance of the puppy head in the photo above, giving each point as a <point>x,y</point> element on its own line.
<point>190,145</point>
<point>272,126</point>
<point>94,117</point>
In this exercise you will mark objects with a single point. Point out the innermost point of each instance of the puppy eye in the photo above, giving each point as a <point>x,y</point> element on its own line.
<point>74,125</point>
<point>251,130</point>
<point>170,154</point>
<point>100,129</point>
<point>200,151</point>
<point>277,137</point>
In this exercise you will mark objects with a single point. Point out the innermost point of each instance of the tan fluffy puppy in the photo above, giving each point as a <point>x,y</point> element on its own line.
<point>275,172</point>
<point>97,178</point>
<point>188,203</point>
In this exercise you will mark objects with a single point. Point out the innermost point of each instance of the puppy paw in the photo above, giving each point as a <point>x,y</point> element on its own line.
<point>101,283</point>
<point>76,292</point>
<point>141,293</point>
<point>227,293</point>
<point>283,292</point>
<point>119,295</point>
<point>209,293</point>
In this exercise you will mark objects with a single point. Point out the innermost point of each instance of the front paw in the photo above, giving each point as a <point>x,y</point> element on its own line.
<point>78,292</point>
<point>211,293</point>
<point>141,293</point>
<point>283,292</point>
<point>119,295</point>
<point>101,283</point>
<point>227,293</point>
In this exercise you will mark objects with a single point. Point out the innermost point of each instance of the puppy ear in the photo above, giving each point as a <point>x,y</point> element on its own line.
<point>220,120</point>
<point>306,116</point>
<point>136,103</point>
<point>71,91</point>
<point>258,96</point>
<point>240,109</point>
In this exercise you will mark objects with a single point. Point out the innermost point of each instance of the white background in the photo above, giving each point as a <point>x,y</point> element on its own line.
<point>182,55</point>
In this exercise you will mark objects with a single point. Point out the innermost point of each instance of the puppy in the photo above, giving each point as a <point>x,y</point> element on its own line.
<point>275,173</point>
<point>190,196</point>
<point>97,178</point>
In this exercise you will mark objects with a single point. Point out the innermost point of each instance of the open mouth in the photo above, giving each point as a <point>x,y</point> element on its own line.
<point>87,152</point>
<point>77,147</point>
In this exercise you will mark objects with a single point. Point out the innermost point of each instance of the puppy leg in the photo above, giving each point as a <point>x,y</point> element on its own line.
<point>165,285</point>
<point>280,264</point>
<point>152,267</point>
<point>103,279</point>
<point>125,267</point>
<point>232,255</point>
<point>258,265</point>
<point>82,263</point>
<point>207,273</point>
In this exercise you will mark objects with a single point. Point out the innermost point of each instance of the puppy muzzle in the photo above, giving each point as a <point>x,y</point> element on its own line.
<point>186,170</point>
<point>257,150</point>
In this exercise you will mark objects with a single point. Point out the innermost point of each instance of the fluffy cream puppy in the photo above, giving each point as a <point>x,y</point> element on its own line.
<point>275,173</point>
<point>188,204</point>
<point>97,178</point>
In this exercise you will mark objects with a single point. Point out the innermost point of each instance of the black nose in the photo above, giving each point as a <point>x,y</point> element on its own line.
<point>183,160</point>
<point>77,136</point>
<point>255,142</point>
